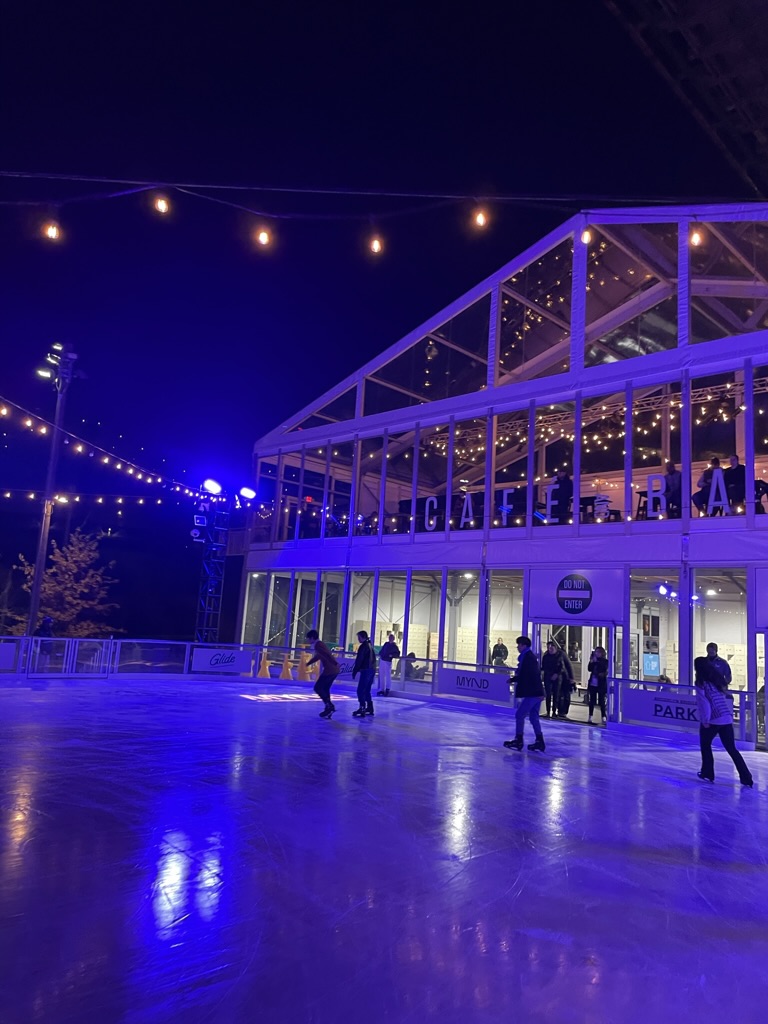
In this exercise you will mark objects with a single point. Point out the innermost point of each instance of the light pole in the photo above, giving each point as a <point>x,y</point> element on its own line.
<point>60,370</point>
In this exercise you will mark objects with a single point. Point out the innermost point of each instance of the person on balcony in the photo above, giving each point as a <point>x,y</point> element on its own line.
<point>735,479</point>
<point>704,483</point>
<point>563,496</point>
<point>673,490</point>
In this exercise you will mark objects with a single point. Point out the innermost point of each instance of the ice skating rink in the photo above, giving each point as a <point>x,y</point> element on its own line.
<point>217,854</point>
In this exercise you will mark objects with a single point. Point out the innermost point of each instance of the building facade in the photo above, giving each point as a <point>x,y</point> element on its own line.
<point>577,448</point>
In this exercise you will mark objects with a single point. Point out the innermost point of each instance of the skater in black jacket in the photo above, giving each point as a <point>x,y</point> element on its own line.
<point>529,691</point>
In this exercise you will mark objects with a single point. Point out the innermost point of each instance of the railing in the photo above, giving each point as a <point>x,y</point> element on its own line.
<point>630,701</point>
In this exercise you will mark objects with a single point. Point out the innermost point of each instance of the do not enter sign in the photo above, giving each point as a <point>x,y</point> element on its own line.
<point>574,593</point>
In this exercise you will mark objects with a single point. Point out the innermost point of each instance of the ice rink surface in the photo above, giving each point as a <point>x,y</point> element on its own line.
<point>207,852</point>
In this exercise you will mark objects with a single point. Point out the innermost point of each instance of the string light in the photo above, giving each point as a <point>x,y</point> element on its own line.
<point>696,237</point>
<point>480,218</point>
<point>376,245</point>
<point>52,231</point>
<point>262,237</point>
<point>162,205</point>
<point>586,236</point>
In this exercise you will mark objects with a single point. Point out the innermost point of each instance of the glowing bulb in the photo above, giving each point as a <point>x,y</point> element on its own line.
<point>247,492</point>
<point>212,486</point>
<point>52,231</point>
<point>696,237</point>
<point>263,237</point>
<point>376,244</point>
<point>586,236</point>
<point>162,205</point>
<point>481,218</point>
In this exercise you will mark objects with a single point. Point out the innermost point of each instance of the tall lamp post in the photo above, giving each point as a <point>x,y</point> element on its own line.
<point>60,370</point>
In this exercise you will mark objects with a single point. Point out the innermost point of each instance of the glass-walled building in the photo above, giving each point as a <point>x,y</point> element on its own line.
<point>595,411</point>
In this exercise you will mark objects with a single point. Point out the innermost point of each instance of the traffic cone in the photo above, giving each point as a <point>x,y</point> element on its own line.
<point>263,672</point>
<point>286,669</point>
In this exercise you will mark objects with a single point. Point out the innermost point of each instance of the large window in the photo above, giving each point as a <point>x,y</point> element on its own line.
<point>558,492</point>
<point>505,611</point>
<point>330,606</point>
<point>424,616</point>
<point>658,491</point>
<point>461,616</point>
<point>432,479</point>
<point>602,459</point>
<point>370,461</point>
<point>397,498</point>
<point>361,600</point>
<point>290,478</point>
<point>510,469</point>
<point>718,475</point>
<point>339,504</point>
<point>303,613</point>
<point>390,608</point>
<point>535,328</point>
<point>729,263</point>
<point>654,625</point>
<point>720,617</point>
<point>631,301</point>
<point>469,456</point>
<point>313,492</point>
<point>253,620</point>
<point>278,619</point>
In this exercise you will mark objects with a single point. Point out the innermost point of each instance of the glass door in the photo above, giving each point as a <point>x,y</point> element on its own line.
<point>577,641</point>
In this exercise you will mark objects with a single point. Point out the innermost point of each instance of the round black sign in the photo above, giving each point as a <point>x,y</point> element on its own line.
<point>574,594</point>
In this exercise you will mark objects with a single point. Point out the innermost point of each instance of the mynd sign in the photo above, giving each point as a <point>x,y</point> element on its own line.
<point>472,682</point>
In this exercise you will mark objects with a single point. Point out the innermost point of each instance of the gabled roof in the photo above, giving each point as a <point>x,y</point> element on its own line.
<point>517,324</point>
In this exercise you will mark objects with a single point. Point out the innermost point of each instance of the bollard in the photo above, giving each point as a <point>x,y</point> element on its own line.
<point>263,672</point>
<point>286,669</point>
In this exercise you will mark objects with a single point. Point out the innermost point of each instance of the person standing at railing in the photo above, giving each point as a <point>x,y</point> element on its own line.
<point>715,707</point>
<point>45,629</point>
<point>329,669</point>
<point>387,653</point>
<point>598,682</point>
<point>529,690</point>
<point>365,664</point>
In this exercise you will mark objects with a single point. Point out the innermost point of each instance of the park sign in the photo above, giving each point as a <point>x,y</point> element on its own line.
<point>666,707</point>
<point>594,595</point>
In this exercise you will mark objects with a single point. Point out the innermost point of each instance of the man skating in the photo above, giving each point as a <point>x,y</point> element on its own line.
<point>529,691</point>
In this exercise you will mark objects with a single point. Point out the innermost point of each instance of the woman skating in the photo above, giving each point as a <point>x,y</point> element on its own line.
<point>715,707</point>
<point>598,682</point>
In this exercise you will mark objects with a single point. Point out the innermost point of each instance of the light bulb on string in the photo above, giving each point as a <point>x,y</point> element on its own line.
<point>586,236</point>
<point>262,237</point>
<point>162,205</point>
<point>376,245</point>
<point>696,237</point>
<point>480,218</point>
<point>51,231</point>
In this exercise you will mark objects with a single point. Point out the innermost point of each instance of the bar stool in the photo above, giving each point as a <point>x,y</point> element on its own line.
<point>642,505</point>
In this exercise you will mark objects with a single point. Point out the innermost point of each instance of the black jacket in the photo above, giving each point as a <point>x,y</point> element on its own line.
<point>555,665</point>
<point>366,658</point>
<point>527,677</point>
<point>499,651</point>
<point>388,651</point>
<point>598,667</point>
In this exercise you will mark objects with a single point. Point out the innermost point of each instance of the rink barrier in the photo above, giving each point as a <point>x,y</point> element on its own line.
<point>641,704</point>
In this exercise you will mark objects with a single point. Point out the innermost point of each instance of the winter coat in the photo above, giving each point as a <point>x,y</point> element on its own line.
<point>527,677</point>
<point>598,667</point>
<point>366,658</point>
<point>556,665</point>
<point>388,651</point>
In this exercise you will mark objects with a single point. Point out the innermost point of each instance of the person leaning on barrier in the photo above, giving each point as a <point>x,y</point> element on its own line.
<point>387,653</point>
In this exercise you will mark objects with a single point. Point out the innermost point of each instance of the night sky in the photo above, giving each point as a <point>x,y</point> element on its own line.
<point>194,343</point>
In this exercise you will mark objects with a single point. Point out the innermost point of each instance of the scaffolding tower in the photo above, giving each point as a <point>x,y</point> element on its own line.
<point>213,525</point>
